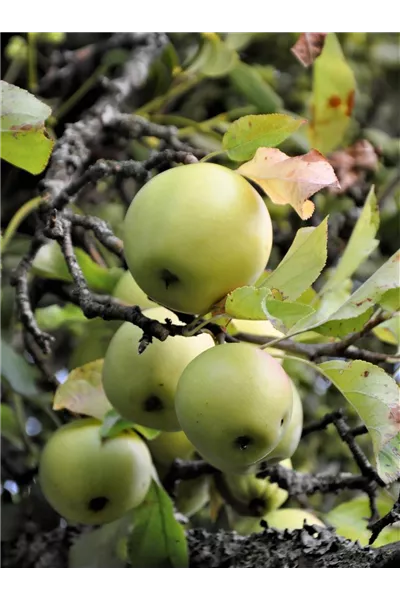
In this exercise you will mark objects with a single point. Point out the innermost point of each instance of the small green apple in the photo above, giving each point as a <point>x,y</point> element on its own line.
<point>141,387</point>
<point>195,233</point>
<point>281,519</point>
<point>128,292</point>
<point>192,495</point>
<point>169,445</point>
<point>257,496</point>
<point>234,403</point>
<point>291,518</point>
<point>290,440</point>
<point>90,480</point>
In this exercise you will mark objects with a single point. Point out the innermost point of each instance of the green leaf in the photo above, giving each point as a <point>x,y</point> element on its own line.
<point>302,264</point>
<point>284,315</point>
<point>389,331</point>
<point>157,539</point>
<point>391,299</point>
<point>50,263</point>
<point>375,397</point>
<point>113,424</point>
<point>362,242</point>
<point>350,521</point>
<point>247,303</point>
<point>102,548</point>
<point>24,140</point>
<point>83,392</point>
<point>10,428</point>
<point>248,82</point>
<point>239,41</point>
<point>17,372</point>
<point>54,316</point>
<point>247,134</point>
<point>333,97</point>
<point>215,58</point>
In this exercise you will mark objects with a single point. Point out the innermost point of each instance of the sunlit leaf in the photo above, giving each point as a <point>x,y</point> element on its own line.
<point>362,242</point>
<point>375,396</point>
<point>290,180</point>
<point>54,316</point>
<point>215,59</point>
<point>247,303</point>
<point>389,331</point>
<point>113,424</point>
<point>83,392</point>
<point>247,134</point>
<point>25,142</point>
<point>302,264</point>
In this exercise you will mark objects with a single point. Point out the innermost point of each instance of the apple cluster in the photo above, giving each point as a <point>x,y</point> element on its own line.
<point>192,235</point>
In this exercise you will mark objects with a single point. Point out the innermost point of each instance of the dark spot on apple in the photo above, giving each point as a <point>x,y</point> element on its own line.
<point>168,278</point>
<point>366,374</point>
<point>257,506</point>
<point>153,404</point>
<point>97,504</point>
<point>243,442</point>
<point>282,422</point>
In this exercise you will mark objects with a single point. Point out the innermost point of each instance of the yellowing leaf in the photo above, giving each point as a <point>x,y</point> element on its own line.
<point>333,97</point>
<point>290,180</point>
<point>249,133</point>
<point>308,47</point>
<point>375,396</point>
<point>24,139</point>
<point>83,392</point>
<point>389,331</point>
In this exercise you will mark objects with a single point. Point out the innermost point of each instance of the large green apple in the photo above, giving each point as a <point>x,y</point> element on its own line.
<point>195,233</point>
<point>234,402</point>
<point>141,387</point>
<point>128,291</point>
<point>290,440</point>
<point>281,519</point>
<point>90,480</point>
<point>257,496</point>
<point>169,445</point>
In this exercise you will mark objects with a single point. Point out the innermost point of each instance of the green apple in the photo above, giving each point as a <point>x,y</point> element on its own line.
<point>257,496</point>
<point>141,387</point>
<point>281,519</point>
<point>170,445</point>
<point>90,480</point>
<point>234,402</point>
<point>128,292</point>
<point>291,518</point>
<point>195,233</point>
<point>290,440</point>
<point>192,495</point>
<point>264,328</point>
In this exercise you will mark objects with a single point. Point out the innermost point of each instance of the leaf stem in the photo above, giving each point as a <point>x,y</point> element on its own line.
<point>80,93</point>
<point>17,219</point>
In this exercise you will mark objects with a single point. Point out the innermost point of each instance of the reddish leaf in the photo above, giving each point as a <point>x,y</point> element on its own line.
<point>308,47</point>
<point>289,180</point>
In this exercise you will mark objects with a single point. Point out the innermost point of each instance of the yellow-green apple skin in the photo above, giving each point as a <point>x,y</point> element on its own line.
<point>289,442</point>
<point>90,480</point>
<point>234,403</point>
<point>281,519</point>
<point>195,233</point>
<point>291,518</point>
<point>192,495</point>
<point>141,387</point>
<point>168,446</point>
<point>264,328</point>
<point>257,496</point>
<point>128,292</point>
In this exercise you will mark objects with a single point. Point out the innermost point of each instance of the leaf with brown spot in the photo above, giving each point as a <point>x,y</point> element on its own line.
<point>308,47</point>
<point>25,142</point>
<point>288,180</point>
<point>333,97</point>
<point>83,392</point>
<point>376,399</point>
